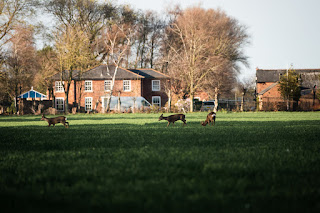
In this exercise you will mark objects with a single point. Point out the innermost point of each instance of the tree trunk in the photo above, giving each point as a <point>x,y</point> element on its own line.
<point>191,102</point>
<point>109,102</point>
<point>169,100</point>
<point>191,95</point>
<point>216,101</point>
<point>66,104</point>
<point>112,86</point>
<point>119,103</point>
<point>242,103</point>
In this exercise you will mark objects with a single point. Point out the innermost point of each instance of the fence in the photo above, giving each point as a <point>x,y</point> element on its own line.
<point>277,104</point>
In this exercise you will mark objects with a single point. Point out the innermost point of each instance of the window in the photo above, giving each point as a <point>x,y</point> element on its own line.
<point>88,86</point>
<point>60,104</point>
<point>126,85</point>
<point>107,85</point>
<point>156,101</point>
<point>155,85</point>
<point>59,86</point>
<point>88,104</point>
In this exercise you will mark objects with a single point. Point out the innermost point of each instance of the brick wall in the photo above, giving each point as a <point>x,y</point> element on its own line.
<point>272,93</point>
<point>97,92</point>
<point>147,92</point>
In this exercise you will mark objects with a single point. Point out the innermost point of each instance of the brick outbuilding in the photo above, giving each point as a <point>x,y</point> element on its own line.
<point>267,86</point>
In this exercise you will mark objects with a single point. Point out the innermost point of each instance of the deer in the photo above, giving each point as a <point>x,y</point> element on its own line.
<point>211,118</point>
<point>174,118</point>
<point>54,121</point>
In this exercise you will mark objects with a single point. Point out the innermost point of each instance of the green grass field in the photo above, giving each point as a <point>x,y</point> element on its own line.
<point>247,162</point>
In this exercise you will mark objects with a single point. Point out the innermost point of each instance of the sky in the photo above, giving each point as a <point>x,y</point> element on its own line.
<point>282,32</point>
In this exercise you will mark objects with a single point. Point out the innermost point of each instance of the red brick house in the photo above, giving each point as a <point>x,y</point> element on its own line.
<point>92,88</point>
<point>267,87</point>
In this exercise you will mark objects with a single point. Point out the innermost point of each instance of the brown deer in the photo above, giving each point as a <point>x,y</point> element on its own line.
<point>54,121</point>
<point>211,118</point>
<point>174,118</point>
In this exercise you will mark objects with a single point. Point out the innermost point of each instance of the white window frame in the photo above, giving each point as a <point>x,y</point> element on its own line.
<point>86,104</point>
<point>59,86</point>
<point>86,89</point>
<point>56,104</point>
<point>155,87</point>
<point>105,86</point>
<point>155,103</point>
<point>127,87</point>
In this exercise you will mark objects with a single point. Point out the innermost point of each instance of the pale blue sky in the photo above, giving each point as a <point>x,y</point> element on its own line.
<point>283,32</point>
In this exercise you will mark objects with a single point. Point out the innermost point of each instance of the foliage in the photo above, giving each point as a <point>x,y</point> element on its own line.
<point>289,85</point>
<point>204,49</point>
<point>247,162</point>
<point>72,47</point>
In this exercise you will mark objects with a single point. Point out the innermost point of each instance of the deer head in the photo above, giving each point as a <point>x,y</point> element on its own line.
<point>161,117</point>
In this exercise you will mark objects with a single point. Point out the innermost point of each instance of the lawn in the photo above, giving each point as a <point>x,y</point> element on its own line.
<point>247,162</point>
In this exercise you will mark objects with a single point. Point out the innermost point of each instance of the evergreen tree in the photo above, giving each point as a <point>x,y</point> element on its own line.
<point>290,85</point>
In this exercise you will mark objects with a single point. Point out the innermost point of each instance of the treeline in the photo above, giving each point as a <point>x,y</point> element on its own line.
<point>201,49</point>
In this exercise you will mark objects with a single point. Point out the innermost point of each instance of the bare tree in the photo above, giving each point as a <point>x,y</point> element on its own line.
<point>148,39</point>
<point>21,64</point>
<point>11,12</point>
<point>117,41</point>
<point>201,43</point>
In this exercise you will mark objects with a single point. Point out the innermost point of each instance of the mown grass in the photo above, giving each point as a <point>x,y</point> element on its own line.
<point>248,162</point>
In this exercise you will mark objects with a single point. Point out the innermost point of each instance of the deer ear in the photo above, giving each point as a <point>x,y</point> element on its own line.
<point>161,115</point>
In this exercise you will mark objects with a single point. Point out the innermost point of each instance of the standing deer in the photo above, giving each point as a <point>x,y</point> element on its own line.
<point>54,121</point>
<point>211,118</point>
<point>174,118</point>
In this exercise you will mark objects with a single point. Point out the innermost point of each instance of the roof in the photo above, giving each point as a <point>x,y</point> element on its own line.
<point>268,88</point>
<point>65,74</point>
<point>32,94</point>
<point>309,77</point>
<point>103,72</point>
<point>149,73</point>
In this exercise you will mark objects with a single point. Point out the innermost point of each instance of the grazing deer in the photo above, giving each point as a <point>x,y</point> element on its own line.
<point>54,121</point>
<point>211,118</point>
<point>174,118</point>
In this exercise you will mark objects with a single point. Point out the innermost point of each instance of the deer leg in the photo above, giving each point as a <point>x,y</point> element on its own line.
<point>168,124</point>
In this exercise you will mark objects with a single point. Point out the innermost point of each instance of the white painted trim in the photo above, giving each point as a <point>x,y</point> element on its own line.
<point>104,85</point>
<point>152,85</point>
<point>85,86</point>
<point>127,85</point>
<point>153,97</point>
<point>85,105</point>
<point>55,104</point>
<point>55,87</point>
